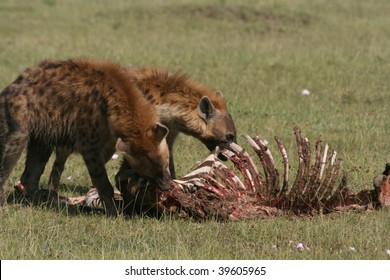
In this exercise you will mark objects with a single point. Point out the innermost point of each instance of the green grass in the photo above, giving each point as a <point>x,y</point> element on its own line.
<point>261,54</point>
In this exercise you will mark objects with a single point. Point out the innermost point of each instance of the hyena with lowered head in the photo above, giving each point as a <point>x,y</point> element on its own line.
<point>87,106</point>
<point>183,105</point>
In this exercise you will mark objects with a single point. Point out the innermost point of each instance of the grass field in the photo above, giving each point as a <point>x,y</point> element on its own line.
<point>261,55</point>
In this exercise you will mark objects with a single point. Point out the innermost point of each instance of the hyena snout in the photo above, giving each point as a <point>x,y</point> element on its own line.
<point>231,138</point>
<point>149,157</point>
<point>163,180</point>
<point>150,169</point>
<point>226,139</point>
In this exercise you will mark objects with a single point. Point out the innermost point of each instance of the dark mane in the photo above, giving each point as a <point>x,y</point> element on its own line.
<point>164,79</point>
<point>175,84</point>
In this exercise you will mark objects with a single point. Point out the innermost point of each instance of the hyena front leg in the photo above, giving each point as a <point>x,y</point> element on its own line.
<point>170,140</point>
<point>62,154</point>
<point>94,160</point>
<point>38,153</point>
<point>11,147</point>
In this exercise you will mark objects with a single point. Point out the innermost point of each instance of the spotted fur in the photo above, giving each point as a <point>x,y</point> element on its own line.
<point>183,105</point>
<point>85,106</point>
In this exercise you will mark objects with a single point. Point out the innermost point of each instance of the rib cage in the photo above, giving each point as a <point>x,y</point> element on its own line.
<point>243,192</point>
<point>214,190</point>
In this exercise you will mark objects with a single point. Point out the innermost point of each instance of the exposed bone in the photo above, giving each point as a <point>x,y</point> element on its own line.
<point>324,160</point>
<point>285,164</point>
<point>214,190</point>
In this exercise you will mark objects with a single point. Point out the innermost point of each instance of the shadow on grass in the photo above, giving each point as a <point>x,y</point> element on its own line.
<point>52,201</point>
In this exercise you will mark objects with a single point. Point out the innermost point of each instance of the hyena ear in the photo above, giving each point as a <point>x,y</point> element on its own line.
<point>219,93</point>
<point>160,131</point>
<point>205,108</point>
<point>122,147</point>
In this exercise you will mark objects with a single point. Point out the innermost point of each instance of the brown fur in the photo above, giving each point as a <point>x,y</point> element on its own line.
<point>177,99</point>
<point>185,106</point>
<point>180,104</point>
<point>84,105</point>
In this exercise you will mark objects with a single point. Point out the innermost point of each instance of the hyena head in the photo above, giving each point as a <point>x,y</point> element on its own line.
<point>187,106</point>
<point>149,155</point>
<point>219,128</point>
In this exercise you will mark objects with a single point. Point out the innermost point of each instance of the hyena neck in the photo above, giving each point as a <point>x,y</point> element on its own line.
<point>177,117</point>
<point>175,96</point>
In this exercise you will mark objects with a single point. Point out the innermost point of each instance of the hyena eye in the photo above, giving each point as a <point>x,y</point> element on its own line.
<point>230,137</point>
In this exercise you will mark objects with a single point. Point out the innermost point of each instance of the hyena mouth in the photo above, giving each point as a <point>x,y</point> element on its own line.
<point>213,146</point>
<point>163,181</point>
<point>222,157</point>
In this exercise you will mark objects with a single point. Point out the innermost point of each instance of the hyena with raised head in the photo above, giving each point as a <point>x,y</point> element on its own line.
<point>86,106</point>
<point>183,105</point>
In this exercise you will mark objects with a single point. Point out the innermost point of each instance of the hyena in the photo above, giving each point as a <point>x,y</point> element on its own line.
<point>86,106</point>
<point>183,105</point>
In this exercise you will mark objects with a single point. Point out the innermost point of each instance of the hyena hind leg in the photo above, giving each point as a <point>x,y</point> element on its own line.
<point>38,153</point>
<point>62,154</point>
<point>12,146</point>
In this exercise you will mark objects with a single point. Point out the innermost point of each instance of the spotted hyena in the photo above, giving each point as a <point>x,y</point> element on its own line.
<point>87,106</point>
<point>183,105</point>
